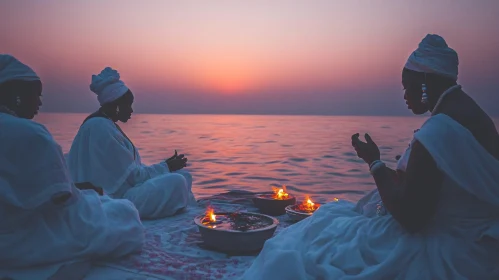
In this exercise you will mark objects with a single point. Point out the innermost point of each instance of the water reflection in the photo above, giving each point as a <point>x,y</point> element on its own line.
<point>309,154</point>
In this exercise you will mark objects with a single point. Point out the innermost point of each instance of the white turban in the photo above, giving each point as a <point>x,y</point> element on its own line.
<point>434,56</point>
<point>12,69</point>
<point>108,86</point>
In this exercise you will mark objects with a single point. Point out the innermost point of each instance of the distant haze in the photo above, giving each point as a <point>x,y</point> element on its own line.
<point>248,57</point>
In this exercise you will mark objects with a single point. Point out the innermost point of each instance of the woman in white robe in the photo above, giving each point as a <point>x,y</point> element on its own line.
<point>442,213</point>
<point>104,156</point>
<point>46,221</point>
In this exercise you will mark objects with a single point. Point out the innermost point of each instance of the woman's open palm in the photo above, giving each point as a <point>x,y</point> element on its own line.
<point>176,162</point>
<point>368,151</point>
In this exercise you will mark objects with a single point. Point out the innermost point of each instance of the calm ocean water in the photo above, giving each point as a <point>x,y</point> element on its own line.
<point>309,154</point>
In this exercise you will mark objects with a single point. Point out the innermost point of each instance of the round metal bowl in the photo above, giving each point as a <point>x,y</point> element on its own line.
<point>235,241</point>
<point>297,215</point>
<point>275,207</point>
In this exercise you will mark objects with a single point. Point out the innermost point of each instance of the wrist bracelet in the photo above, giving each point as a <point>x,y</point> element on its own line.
<point>373,163</point>
<point>376,166</point>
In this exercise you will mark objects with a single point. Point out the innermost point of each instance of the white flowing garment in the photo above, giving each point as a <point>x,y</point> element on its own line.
<point>37,237</point>
<point>102,155</point>
<point>461,242</point>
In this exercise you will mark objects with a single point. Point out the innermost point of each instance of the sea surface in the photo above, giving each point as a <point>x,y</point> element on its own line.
<point>311,155</point>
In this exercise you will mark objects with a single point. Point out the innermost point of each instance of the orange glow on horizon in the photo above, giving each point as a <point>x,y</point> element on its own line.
<point>227,80</point>
<point>336,55</point>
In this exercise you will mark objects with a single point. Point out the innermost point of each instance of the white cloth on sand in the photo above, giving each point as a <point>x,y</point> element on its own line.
<point>37,236</point>
<point>102,155</point>
<point>433,55</point>
<point>108,86</point>
<point>461,242</point>
<point>13,69</point>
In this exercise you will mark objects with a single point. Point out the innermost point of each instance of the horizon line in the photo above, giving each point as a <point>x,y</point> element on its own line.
<point>263,114</point>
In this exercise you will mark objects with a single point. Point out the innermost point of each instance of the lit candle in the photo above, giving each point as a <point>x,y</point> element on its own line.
<point>308,205</point>
<point>280,193</point>
<point>210,216</point>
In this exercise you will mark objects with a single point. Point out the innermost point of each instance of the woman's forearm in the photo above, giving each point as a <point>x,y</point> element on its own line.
<point>413,197</point>
<point>389,188</point>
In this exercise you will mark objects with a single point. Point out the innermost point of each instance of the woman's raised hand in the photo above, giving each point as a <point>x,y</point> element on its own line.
<point>176,162</point>
<point>368,151</point>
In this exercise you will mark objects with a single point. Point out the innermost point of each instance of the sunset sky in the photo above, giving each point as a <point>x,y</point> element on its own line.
<point>251,57</point>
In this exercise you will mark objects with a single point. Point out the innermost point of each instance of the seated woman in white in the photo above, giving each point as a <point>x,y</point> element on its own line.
<point>443,212</point>
<point>46,221</point>
<point>104,156</point>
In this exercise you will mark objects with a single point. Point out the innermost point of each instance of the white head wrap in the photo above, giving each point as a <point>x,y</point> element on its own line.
<point>434,56</point>
<point>108,86</point>
<point>12,69</point>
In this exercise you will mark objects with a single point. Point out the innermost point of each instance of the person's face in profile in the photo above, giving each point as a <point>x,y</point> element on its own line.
<point>125,107</point>
<point>26,97</point>
<point>413,93</point>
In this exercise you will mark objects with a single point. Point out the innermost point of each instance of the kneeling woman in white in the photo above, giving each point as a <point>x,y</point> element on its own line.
<point>103,155</point>
<point>442,218</point>
<point>46,221</point>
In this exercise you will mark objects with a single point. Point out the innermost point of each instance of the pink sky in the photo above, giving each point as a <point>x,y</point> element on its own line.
<point>259,56</point>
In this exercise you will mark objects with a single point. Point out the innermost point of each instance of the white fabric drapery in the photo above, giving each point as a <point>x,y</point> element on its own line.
<point>460,243</point>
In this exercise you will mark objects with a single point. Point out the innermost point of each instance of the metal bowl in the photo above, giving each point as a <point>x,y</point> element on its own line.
<point>297,215</point>
<point>234,241</point>
<point>275,207</point>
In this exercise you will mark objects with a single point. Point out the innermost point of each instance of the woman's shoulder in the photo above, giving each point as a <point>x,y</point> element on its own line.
<point>97,124</point>
<point>99,129</point>
<point>465,111</point>
<point>18,134</point>
<point>19,127</point>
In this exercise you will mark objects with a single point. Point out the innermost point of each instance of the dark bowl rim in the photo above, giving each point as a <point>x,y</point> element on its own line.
<point>289,208</point>
<point>275,223</point>
<point>259,196</point>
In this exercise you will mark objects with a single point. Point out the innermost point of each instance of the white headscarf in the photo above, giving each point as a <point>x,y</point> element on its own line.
<point>434,56</point>
<point>12,69</point>
<point>108,86</point>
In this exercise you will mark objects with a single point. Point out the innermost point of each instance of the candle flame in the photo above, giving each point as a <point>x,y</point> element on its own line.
<point>210,215</point>
<point>280,193</point>
<point>308,205</point>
